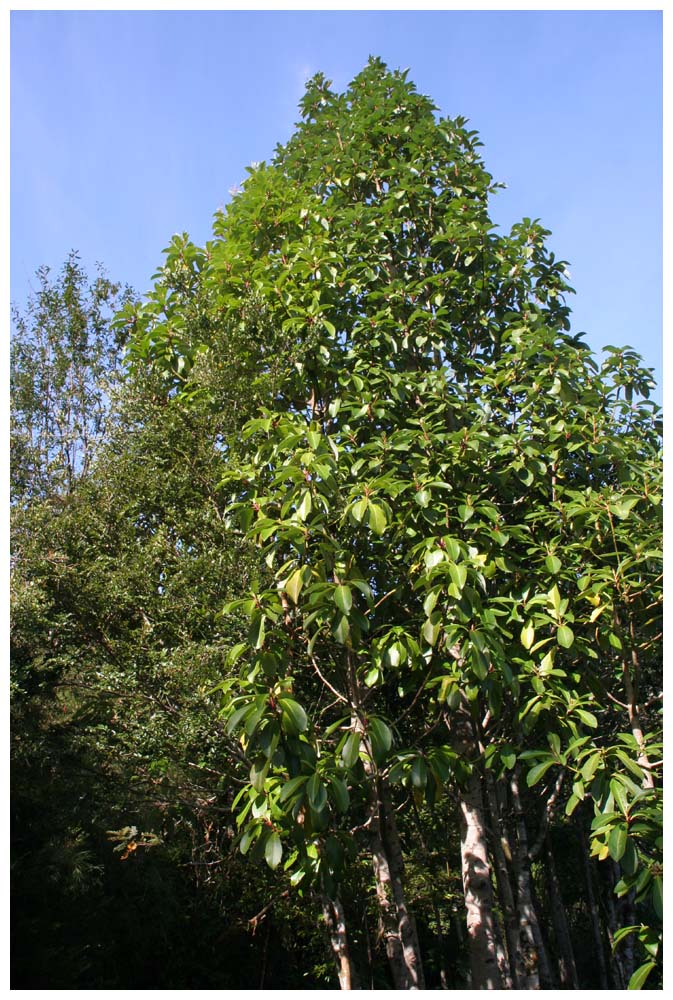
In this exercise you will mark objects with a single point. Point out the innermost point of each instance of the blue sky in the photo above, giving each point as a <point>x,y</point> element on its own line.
<point>129,126</point>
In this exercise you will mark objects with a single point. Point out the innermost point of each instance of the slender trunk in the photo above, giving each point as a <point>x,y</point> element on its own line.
<point>592,907</point>
<point>397,925</point>
<point>533,950</point>
<point>504,888</point>
<point>476,868</point>
<point>335,922</point>
<point>566,957</point>
<point>547,980</point>
<point>501,953</point>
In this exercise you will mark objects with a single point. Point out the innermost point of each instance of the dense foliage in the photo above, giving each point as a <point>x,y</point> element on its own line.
<point>356,613</point>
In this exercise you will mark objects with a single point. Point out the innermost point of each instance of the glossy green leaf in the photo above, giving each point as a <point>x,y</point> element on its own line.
<point>294,584</point>
<point>273,850</point>
<point>538,772</point>
<point>617,843</point>
<point>564,636</point>
<point>294,717</point>
<point>351,749</point>
<point>639,977</point>
<point>343,598</point>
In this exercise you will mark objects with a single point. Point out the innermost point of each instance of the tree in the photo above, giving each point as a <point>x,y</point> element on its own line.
<point>419,482</point>
<point>63,356</point>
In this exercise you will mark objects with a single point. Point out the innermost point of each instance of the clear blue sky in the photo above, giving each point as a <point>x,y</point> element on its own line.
<point>129,126</point>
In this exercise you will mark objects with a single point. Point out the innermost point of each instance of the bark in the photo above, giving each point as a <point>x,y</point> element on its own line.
<point>397,926</point>
<point>335,922</point>
<point>476,868</point>
<point>504,888</point>
<point>566,957</point>
<point>594,915</point>
<point>617,970</point>
<point>534,953</point>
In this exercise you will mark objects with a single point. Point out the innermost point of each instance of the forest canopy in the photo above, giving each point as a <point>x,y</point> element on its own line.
<point>336,595</point>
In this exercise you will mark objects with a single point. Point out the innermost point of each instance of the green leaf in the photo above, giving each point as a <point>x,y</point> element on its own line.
<point>290,787</point>
<point>458,573</point>
<point>637,980</point>
<point>340,793</point>
<point>351,749</point>
<point>419,773</point>
<point>527,635</point>
<point>273,851</point>
<point>381,737</point>
<point>629,860</point>
<point>343,598</point>
<point>317,793</point>
<point>564,636</point>
<point>590,767</point>
<point>377,519</point>
<point>247,838</point>
<point>305,506</point>
<point>430,631</point>
<point>538,772</point>
<point>359,509</point>
<point>294,584</point>
<point>553,564</point>
<point>572,804</point>
<point>294,716</point>
<point>617,842</point>
<point>342,630</point>
<point>588,718</point>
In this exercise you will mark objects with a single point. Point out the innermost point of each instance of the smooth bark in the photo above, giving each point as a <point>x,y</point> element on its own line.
<point>476,868</point>
<point>335,921</point>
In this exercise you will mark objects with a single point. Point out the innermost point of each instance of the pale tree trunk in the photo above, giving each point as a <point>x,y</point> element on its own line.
<point>566,957</point>
<point>477,888</point>
<point>476,868</point>
<point>504,892</point>
<point>335,922</point>
<point>536,963</point>
<point>397,925</point>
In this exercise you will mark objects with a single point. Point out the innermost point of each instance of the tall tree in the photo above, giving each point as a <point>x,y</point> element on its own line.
<point>456,514</point>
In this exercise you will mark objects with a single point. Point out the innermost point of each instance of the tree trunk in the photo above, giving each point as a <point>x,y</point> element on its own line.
<point>566,957</point>
<point>536,963</point>
<point>592,907</point>
<point>476,869</point>
<point>397,924</point>
<point>335,922</point>
<point>504,888</point>
<point>610,870</point>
